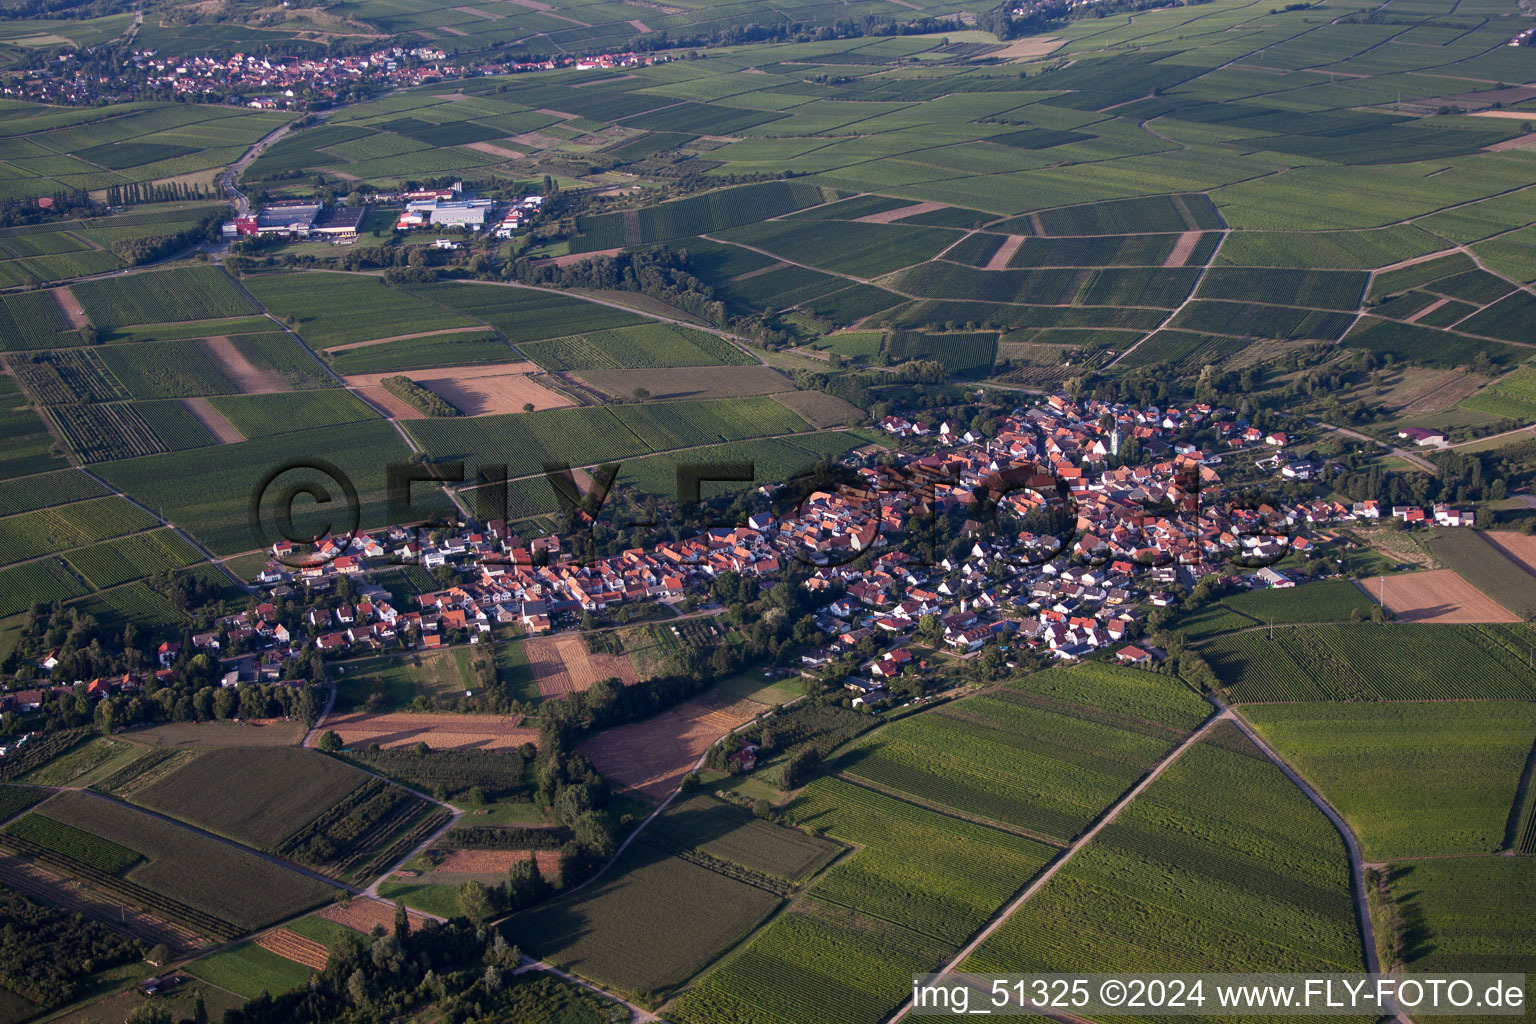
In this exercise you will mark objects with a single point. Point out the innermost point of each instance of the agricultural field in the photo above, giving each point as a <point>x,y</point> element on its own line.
<point>186,876</point>
<point>1323,601</point>
<point>1360,661</point>
<point>627,348</point>
<point>1412,779</point>
<point>323,307</point>
<point>1221,859</point>
<point>161,296</point>
<point>1012,760</point>
<point>1486,568</point>
<point>264,795</point>
<point>647,926</point>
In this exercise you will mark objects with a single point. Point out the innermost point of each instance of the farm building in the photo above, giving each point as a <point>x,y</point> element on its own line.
<point>287,218</point>
<point>339,222</point>
<point>470,214</point>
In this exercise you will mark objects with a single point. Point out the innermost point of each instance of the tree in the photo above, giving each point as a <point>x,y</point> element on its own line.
<point>474,902</point>
<point>799,768</point>
<point>402,922</point>
<point>641,394</point>
<point>160,955</point>
<point>328,742</point>
<point>149,1013</point>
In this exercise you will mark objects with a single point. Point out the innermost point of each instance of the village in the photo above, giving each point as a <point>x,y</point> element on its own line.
<point>277,83</point>
<point>1139,539</point>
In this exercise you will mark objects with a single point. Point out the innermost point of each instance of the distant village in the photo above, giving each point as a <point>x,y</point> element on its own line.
<point>276,83</point>
<point>1140,544</point>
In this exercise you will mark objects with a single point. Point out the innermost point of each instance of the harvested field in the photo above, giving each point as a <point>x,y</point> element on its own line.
<point>293,946</point>
<point>210,417</point>
<point>494,150</point>
<point>693,382</point>
<point>248,378</point>
<point>999,260</point>
<point>653,756</point>
<point>1440,595</point>
<point>639,26</point>
<point>363,912</point>
<point>1518,142</point>
<point>1519,548</point>
<point>562,665</point>
<point>473,390</point>
<point>271,732</point>
<point>1025,49</point>
<point>441,732</point>
<point>20,873</point>
<point>888,216</point>
<point>576,257</point>
<point>1513,115</point>
<point>488,16</point>
<point>70,307</point>
<point>1182,248</point>
<point>496,862</point>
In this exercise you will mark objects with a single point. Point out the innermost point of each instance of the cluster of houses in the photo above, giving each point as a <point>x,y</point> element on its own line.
<point>1143,536</point>
<point>279,83</point>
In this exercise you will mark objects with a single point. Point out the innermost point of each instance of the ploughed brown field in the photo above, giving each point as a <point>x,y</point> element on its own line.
<point>363,912</point>
<point>562,665</point>
<point>653,756</point>
<point>440,732</point>
<point>1440,595</point>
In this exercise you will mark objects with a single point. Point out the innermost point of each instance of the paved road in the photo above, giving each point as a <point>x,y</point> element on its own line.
<point>1403,453</point>
<point>233,171</point>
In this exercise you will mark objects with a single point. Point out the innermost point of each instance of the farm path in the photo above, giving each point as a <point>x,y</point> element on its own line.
<point>184,535</point>
<point>636,1013</point>
<point>1402,453</point>
<point>1067,854</point>
<point>269,858</point>
<point>1193,291</point>
<point>1351,845</point>
<point>454,815</point>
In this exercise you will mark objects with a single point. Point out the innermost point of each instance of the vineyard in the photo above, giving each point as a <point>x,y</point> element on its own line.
<point>649,925</point>
<point>39,751</point>
<point>361,835</point>
<point>66,377</point>
<point>732,834</point>
<point>1323,601</point>
<point>816,961</point>
<point>100,433</point>
<point>265,415</point>
<point>165,296</point>
<point>325,306</point>
<point>74,844</point>
<point>1043,771</point>
<point>42,582</point>
<point>499,775</point>
<point>1374,662</point>
<point>1220,861</point>
<point>635,347</point>
<point>189,870</point>
<point>1486,568</point>
<point>70,526</point>
<point>168,369</point>
<point>46,490</point>
<point>256,796</point>
<point>1412,780</point>
<point>131,558</point>
<point>174,425</point>
<point>923,870</point>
